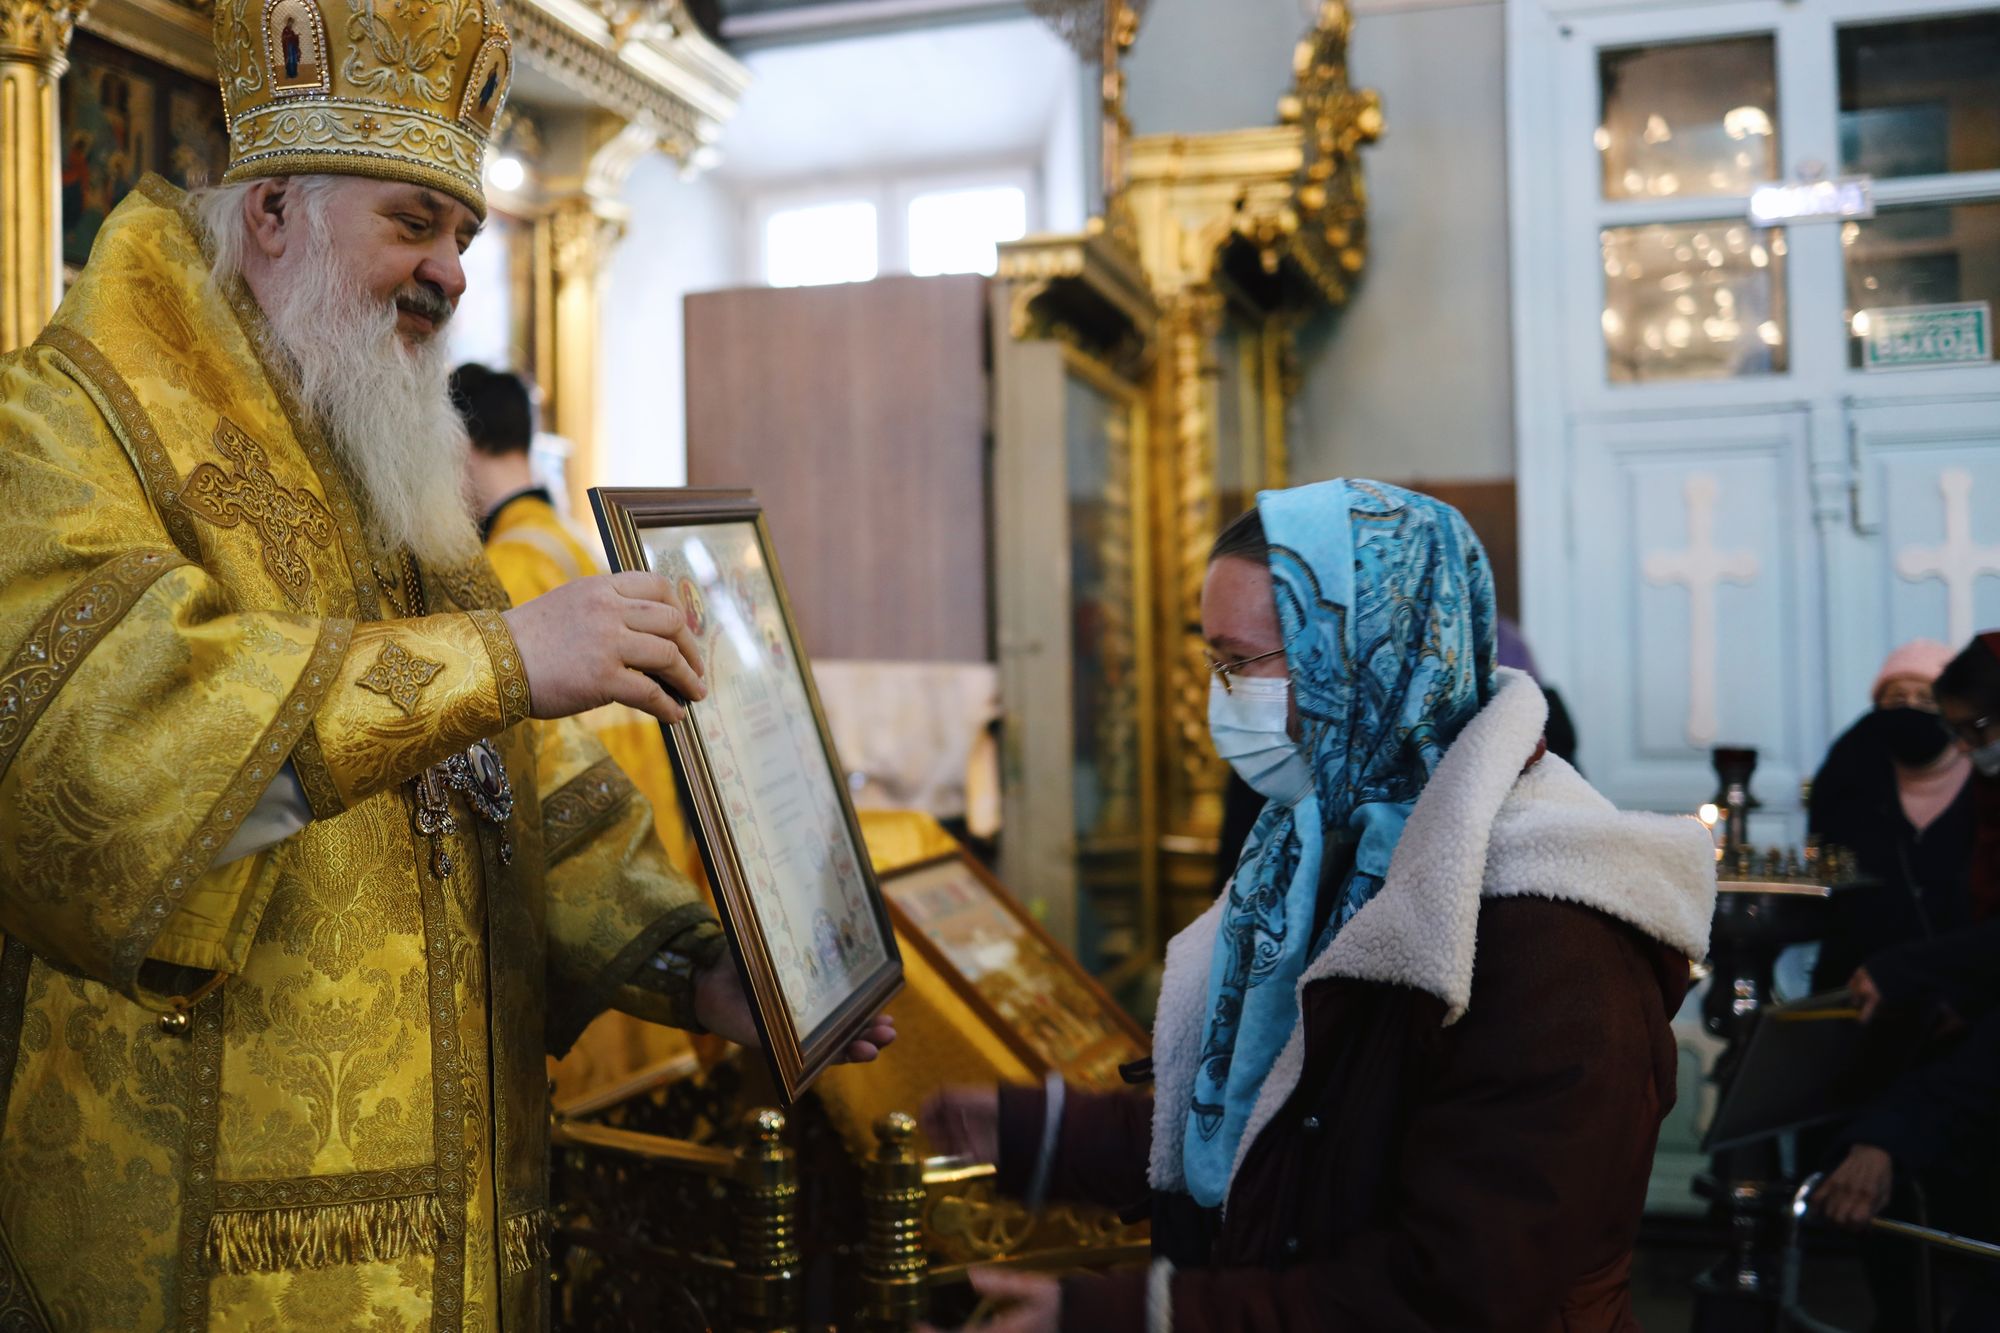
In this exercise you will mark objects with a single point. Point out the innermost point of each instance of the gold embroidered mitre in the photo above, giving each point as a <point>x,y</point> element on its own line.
<point>405,90</point>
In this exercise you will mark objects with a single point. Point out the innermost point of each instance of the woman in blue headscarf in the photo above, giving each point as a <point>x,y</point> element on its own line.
<point>1354,1126</point>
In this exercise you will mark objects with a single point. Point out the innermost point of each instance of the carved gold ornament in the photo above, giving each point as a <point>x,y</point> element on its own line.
<point>1329,242</point>
<point>38,31</point>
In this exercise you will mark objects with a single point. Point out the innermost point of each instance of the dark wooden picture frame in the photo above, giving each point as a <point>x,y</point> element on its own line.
<point>1088,1000</point>
<point>774,967</point>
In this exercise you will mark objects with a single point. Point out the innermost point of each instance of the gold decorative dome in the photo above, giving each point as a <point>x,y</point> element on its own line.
<point>405,90</point>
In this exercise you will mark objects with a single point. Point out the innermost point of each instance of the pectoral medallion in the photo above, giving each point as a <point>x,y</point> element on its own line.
<point>480,777</point>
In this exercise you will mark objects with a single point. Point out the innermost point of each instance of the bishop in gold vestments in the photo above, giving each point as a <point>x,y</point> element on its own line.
<point>350,1130</point>
<point>303,1086</point>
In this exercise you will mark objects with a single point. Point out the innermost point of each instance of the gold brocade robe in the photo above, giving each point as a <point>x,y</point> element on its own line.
<point>350,1131</point>
<point>532,552</point>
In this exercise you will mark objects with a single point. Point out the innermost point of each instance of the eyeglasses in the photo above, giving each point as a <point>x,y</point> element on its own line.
<point>1223,670</point>
<point>1971,732</point>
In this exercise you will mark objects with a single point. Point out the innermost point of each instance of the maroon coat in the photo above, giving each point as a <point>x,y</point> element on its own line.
<point>1488,1175</point>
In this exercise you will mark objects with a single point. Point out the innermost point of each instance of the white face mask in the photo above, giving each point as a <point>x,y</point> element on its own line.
<point>1249,728</point>
<point>1985,758</point>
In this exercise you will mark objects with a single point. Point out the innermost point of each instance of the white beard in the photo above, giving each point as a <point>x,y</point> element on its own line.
<point>384,407</point>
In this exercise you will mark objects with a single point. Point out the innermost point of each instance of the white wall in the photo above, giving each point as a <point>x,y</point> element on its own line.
<point>1205,65</point>
<point>1066,196</point>
<point>481,328</point>
<point>884,105</point>
<point>682,238</point>
<point>1003,96</point>
<point>880,116</point>
<point>1414,379</point>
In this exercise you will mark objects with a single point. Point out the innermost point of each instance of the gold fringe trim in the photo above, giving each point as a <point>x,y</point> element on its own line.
<point>524,1241</point>
<point>269,1240</point>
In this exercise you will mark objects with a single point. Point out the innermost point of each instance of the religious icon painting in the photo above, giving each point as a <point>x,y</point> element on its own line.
<point>1009,971</point>
<point>806,919</point>
<point>197,146</point>
<point>109,120</point>
<point>694,606</point>
<point>486,90</point>
<point>123,115</point>
<point>295,47</point>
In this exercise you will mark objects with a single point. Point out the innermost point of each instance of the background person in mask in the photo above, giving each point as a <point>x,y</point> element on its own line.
<point>1932,1126</point>
<point>1969,696</point>
<point>1962,972</point>
<point>1403,1137</point>
<point>1894,790</point>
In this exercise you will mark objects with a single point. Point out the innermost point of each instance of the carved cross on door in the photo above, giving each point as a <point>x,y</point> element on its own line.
<point>1959,563</point>
<point>249,493</point>
<point>1703,569</point>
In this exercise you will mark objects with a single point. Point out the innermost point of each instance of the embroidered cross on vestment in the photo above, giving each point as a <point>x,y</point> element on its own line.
<point>400,675</point>
<point>249,493</point>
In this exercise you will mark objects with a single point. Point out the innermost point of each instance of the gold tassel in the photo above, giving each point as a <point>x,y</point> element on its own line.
<point>524,1241</point>
<point>268,1240</point>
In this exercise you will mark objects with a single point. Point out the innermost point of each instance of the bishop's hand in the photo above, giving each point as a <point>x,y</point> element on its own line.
<point>608,639</point>
<point>721,1007</point>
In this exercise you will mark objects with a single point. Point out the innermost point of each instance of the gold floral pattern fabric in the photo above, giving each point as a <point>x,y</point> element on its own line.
<point>590,799</point>
<point>65,635</point>
<point>371,740</point>
<point>349,1130</point>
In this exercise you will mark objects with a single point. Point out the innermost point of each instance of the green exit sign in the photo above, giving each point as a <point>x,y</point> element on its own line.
<point>1908,337</point>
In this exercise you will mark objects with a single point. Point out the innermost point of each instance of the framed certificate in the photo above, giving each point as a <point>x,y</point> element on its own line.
<point>1051,1013</point>
<point>804,914</point>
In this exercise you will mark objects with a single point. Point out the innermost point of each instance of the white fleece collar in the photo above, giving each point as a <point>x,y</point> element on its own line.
<point>1481,828</point>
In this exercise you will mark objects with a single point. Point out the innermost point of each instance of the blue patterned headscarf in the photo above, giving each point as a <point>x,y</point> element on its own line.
<point>1385,601</point>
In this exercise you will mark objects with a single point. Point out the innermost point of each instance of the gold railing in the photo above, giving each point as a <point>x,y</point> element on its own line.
<point>763,1272</point>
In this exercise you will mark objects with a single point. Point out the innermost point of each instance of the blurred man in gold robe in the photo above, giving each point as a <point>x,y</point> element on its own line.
<point>301,872</point>
<point>533,552</point>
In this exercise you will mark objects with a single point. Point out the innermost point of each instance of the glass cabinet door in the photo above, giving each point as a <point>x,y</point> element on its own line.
<point>1700,299</point>
<point>1703,300</point>
<point>1690,118</point>
<point>1103,596</point>
<point>1920,111</point>
<point>1689,126</point>
<point>1111,749</point>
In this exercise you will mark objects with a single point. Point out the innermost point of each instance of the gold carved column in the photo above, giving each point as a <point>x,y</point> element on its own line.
<point>574,243</point>
<point>1180,305</point>
<point>1243,236</point>
<point>34,47</point>
<point>1189,198</point>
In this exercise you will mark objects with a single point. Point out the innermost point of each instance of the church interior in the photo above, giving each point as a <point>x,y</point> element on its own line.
<point>1005,309</point>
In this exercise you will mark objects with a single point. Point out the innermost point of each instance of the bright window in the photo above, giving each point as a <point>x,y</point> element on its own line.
<point>820,244</point>
<point>959,231</point>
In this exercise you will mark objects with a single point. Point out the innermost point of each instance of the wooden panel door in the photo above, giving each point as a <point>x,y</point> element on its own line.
<point>1696,565</point>
<point>1920,557</point>
<point>858,414</point>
